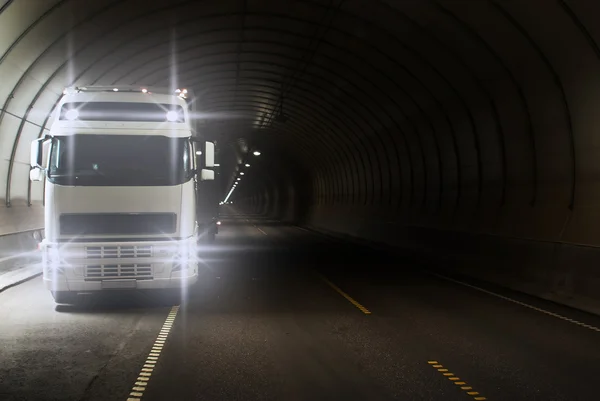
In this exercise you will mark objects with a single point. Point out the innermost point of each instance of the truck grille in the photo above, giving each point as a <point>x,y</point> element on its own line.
<point>116,251</point>
<point>122,271</point>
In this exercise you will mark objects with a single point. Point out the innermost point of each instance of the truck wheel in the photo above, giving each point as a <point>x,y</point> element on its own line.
<point>64,297</point>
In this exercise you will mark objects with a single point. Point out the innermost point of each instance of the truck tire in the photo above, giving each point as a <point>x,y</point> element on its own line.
<point>64,297</point>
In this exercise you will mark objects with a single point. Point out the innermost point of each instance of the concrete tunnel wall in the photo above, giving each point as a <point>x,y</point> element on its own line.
<point>461,131</point>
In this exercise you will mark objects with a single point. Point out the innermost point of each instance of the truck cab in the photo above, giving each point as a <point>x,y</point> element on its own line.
<point>121,171</point>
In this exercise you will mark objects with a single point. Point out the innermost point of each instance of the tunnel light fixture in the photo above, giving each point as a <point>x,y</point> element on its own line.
<point>238,179</point>
<point>247,165</point>
<point>115,89</point>
<point>256,153</point>
<point>229,194</point>
<point>242,173</point>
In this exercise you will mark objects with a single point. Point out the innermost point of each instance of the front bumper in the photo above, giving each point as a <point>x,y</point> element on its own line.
<point>98,266</point>
<point>60,283</point>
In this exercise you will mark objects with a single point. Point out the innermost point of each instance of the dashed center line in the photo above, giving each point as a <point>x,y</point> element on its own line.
<point>261,231</point>
<point>556,315</point>
<point>137,391</point>
<point>348,297</point>
<point>457,381</point>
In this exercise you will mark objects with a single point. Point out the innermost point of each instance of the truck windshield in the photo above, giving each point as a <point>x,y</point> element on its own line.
<point>119,160</point>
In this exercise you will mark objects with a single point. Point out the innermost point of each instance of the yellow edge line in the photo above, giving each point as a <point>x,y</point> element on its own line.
<point>138,388</point>
<point>348,297</point>
<point>468,389</point>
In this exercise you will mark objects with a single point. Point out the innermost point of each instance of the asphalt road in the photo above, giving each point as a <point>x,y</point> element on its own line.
<point>280,313</point>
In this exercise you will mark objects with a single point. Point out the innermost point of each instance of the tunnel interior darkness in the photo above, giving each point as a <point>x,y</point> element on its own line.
<point>462,132</point>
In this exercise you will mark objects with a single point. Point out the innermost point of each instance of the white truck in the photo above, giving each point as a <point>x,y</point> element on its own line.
<point>121,168</point>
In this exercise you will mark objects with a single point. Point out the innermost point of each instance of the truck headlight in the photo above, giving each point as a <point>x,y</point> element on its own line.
<point>53,261</point>
<point>185,257</point>
<point>52,255</point>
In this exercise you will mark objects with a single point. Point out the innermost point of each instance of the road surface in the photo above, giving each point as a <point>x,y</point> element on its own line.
<point>280,313</point>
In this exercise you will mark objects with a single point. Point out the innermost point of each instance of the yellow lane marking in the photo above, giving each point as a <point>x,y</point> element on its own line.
<point>137,391</point>
<point>468,389</point>
<point>348,297</point>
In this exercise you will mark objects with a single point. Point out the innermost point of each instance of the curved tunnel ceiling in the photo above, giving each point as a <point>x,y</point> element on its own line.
<point>478,115</point>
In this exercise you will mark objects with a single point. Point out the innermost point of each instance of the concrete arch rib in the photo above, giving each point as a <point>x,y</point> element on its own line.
<point>387,107</point>
<point>558,82</point>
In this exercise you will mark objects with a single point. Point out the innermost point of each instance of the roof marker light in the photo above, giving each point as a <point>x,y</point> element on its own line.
<point>184,91</point>
<point>144,90</point>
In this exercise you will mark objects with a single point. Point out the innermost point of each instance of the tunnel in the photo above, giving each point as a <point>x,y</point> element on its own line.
<point>457,136</point>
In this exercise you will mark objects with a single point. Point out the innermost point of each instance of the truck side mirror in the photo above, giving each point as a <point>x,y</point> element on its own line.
<point>36,174</point>
<point>36,154</point>
<point>209,155</point>
<point>38,159</point>
<point>207,175</point>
